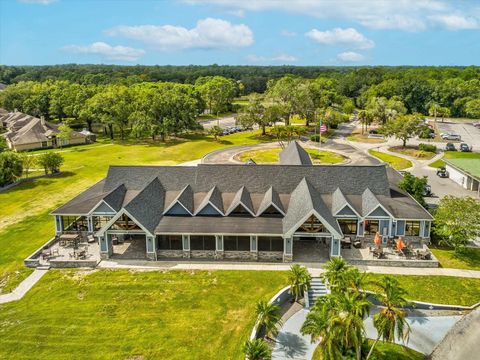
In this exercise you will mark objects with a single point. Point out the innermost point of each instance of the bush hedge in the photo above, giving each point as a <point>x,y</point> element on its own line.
<point>427,147</point>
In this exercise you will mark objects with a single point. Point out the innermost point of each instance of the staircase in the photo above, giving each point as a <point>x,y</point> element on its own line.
<point>317,289</point>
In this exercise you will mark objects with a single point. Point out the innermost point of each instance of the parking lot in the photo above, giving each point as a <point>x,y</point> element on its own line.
<point>469,133</point>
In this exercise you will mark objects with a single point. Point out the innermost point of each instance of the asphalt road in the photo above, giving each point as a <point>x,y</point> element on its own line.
<point>469,133</point>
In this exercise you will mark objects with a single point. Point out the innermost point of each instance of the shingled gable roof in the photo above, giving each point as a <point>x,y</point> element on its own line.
<point>339,201</point>
<point>294,154</point>
<point>271,198</point>
<point>184,198</point>
<point>114,199</point>
<point>242,197</point>
<point>370,202</point>
<point>214,198</point>
<point>304,201</point>
<point>147,206</point>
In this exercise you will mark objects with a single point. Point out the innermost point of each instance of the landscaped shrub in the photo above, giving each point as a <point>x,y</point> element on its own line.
<point>427,147</point>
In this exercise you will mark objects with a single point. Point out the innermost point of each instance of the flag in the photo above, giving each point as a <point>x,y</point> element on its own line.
<point>323,128</point>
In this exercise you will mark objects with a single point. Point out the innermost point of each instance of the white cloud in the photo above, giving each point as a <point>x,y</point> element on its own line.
<point>207,34</point>
<point>407,15</point>
<point>339,36</point>
<point>288,33</point>
<point>350,56</point>
<point>41,2</point>
<point>456,21</point>
<point>280,58</point>
<point>121,53</point>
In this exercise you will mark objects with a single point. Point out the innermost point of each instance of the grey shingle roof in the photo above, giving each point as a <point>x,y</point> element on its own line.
<point>115,198</point>
<point>271,198</point>
<point>303,201</point>
<point>294,154</point>
<point>214,197</point>
<point>241,197</point>
<point>185,198</point>
<point>83,203</point>
<point>369,202</point>
<point>147,206</point>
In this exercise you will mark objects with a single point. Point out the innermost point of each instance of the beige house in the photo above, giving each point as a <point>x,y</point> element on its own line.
<point>25,132</point>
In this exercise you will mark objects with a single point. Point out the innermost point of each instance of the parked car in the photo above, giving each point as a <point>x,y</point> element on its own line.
<point>428,191</point>
<point>450,147</point>
<point>442,172</point>
<point>451,136</point>
<point>373,132</point>
<point>476,124</point>
<point>465,148</point>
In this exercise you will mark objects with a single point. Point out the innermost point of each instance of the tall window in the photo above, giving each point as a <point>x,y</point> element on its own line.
<point>371,227</point>
<point>412,228</point>
<point>202,242</point>
<point>236,243</point>
<point>270,243</point>
<point>348,226</point>
<point>100,221</point>
<point>170,242</point>
<point>74,223</point>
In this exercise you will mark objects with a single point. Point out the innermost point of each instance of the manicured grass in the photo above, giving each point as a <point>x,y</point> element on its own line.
<point>124,314</point>
<point>205,117</point>
<point>437,289</point>
<point>468,259</point>
<point>383,351</point>
<point>365,139</point>
<point>272,156</point>
<point>412,151</point>
<point>454,155</point>
<point>24,221</point>
<point>396,162</point>
<point>10,282</point>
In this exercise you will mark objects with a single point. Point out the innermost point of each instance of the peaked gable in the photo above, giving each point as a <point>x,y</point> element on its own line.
<point>346,211</point>
<point>379,212</point>
<point>103,208</point>
<point>209,210</point>
<point>177,209</point>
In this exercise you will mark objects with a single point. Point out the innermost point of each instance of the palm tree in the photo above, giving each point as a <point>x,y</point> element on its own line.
<point>392,317</point>
<point>356,280</point>
<point>257,349</point>
<point>336,273</point>
<point>363,117</point>
<point>268,315</point>
<point>299,279</point>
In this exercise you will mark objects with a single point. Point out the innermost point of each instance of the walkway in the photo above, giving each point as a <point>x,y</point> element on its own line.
<point>315,269</point>
<point>23,288</point>
<point>427,332</point>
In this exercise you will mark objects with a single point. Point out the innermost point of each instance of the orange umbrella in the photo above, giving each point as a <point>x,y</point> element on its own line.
<point>400,244</point>
<point>377,239</point>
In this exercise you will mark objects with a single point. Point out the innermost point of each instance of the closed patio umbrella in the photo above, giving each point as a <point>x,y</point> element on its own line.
<point>400,244</point>
<point>377,239</point>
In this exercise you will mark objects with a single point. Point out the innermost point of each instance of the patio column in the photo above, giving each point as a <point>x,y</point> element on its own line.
<point>287,249</point>
<point>254,247</point>
<point>334,247</point>
<point>106,249</point>
<point>58,224</point>
<point>219,247</point>
<point>186,246</point>
<point>90,224</point>
<point>150,246</point>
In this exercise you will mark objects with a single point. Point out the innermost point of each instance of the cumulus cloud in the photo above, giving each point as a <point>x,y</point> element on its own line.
<point>407,15</point>
<point>456,21</point>
<point>339,36</point>
<point>41,2</point>
<point>280,58</point>
<point>120,53</point>
<point>208,33</point>
<point>350,56</point>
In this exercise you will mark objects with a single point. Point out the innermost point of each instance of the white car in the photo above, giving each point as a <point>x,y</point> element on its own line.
<point>451,137</point>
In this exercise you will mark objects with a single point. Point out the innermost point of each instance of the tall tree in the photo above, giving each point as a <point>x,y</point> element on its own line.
<point>404,127</point>
<point>254,114</point>
<point>10,167</point>
<point>415,186</point>
<point>299,279</point>
<point>218,92</point>
<point>268,315</point>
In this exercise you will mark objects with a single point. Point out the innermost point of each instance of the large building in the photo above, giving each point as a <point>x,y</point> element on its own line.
<point>465,172</point>
<point>25,132</point>
<point>254,212</point>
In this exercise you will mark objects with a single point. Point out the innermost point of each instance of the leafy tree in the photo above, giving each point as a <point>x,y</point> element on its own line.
<point>415,186</point>
<point>365,118</point>
<point>28,162</point>
<point>404,127</point>
<point>216,132</point>
<point>299,279</point>
<point>257,349</point>
<point>254,114</point>
<point>217,92</point>
<point>65,133</point>
<point>287,133</point>
<point>51,162</point>
<point>10,167</point>
<point>456,221</point>
<point>392,318</point>
<point>472,108</point>
<point>268,315</point>
<point>3,144</point>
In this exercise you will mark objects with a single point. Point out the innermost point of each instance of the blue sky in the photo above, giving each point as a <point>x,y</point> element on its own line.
<point>245,32</point>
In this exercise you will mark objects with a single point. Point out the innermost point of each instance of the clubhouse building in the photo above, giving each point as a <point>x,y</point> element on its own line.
<point>245,212</point>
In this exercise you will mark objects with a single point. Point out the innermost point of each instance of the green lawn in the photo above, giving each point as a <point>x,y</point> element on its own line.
<point>24,221</point>
<point>124,314</point>
<point>272,156</point>
<point>469,259</point>
<point>438,289</point>
<point>412,151</point>
<point>383,351</point>
<point>396,162</point>
<point>454,155</point>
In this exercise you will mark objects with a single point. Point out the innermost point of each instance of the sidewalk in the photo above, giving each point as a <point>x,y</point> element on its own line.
<point>23,288</point>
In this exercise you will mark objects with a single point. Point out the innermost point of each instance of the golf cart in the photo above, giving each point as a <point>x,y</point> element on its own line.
<point>442,172</point>
<point>428,191</point>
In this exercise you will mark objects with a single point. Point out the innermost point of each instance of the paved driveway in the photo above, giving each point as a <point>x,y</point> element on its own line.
<point>469,133</point>
<point>427,332</point>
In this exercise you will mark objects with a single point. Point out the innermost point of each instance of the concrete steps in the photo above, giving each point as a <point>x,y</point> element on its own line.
<point>317,289</point>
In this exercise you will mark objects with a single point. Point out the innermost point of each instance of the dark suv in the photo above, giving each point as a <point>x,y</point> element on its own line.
<point>450,147</point>
<point>465,148</point>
